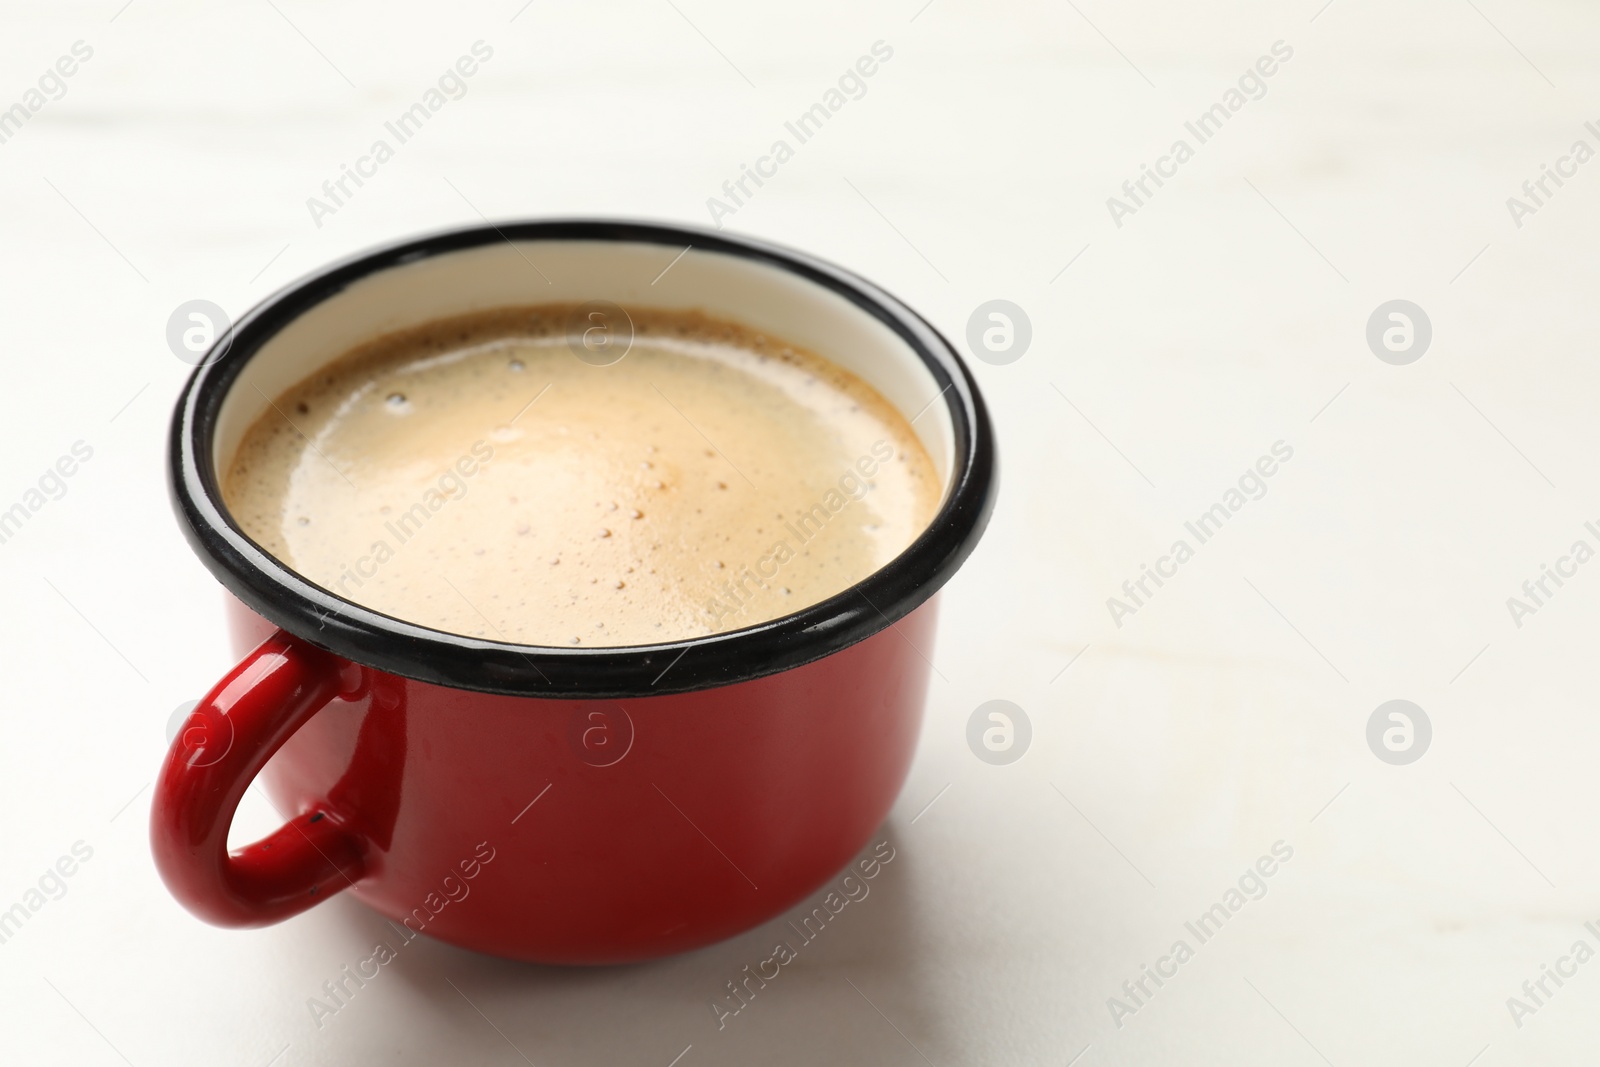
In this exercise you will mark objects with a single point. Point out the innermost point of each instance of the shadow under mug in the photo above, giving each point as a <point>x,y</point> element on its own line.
<point>564,805</point>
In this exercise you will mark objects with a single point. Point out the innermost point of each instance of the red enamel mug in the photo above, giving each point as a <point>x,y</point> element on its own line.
<point>563,805</point>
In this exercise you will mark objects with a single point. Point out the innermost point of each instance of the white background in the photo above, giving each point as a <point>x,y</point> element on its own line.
<point>1227,314</point>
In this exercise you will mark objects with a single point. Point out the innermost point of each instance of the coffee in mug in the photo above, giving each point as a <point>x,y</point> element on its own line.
<point>472,476</point>
<point>638,799</point>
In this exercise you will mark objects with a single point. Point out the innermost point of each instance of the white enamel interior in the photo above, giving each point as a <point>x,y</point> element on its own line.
<point>774,301</point>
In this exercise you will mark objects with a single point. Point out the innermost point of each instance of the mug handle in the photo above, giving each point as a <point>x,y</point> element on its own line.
<point>224,743</point>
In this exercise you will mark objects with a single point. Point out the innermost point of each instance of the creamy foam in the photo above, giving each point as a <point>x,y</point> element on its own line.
<point>475,476</point>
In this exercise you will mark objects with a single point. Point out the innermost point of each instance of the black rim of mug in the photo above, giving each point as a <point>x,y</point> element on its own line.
<point>359,634</point>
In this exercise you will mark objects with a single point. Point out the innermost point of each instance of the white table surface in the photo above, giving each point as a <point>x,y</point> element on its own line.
<point>1229,313</point>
